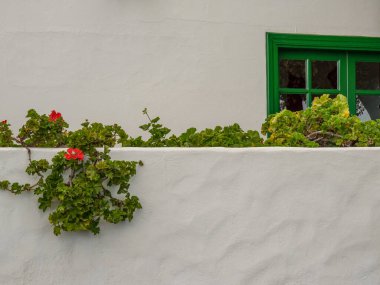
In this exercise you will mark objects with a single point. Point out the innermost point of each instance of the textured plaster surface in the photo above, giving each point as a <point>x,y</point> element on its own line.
<point>211,217</point>
<point>193,62</point>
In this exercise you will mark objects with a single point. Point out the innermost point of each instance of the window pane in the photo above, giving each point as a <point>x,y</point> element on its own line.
<point>368,107</point>
<point>292,74</point>
<point>324,74</point>
<point>368,75</point>
<point>293,102</point>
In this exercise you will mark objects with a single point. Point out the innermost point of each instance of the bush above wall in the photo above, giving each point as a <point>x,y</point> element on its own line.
<point>83,185</point>
<point>326,123</point>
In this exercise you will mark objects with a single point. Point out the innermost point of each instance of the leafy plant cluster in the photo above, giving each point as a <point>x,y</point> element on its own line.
<point>327,123</point>
<point>82,185</point>
<point>229,136</point>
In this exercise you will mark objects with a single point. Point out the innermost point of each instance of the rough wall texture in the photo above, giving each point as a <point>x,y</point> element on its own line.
<point>194,62</point>
<point>212,217</point>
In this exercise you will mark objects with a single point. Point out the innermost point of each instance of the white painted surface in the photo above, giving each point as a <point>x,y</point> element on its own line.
<point>193,62</point>
<point>212,216</point>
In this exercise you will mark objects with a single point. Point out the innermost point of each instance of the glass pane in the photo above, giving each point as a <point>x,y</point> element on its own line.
<point>324,74</point>
<point>368,107</point>
<point>292,74</point>
<point>293,102</point>
<point>368,75</point>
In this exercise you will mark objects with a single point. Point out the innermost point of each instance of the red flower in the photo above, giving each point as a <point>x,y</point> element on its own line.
<point>4,122</point>
<point>74,154</point>
<point>54,116</point>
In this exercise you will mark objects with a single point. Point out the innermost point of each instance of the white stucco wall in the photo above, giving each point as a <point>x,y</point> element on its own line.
<point>212,216</point>
<point>193,62</point>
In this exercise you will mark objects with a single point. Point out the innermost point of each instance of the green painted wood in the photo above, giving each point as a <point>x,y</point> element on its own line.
<point>368,92</point>
<point>351,74</point>
<point>312,47</point>
<point>293,91</point>
<point>271,61</point>
<point>309,99</point>
<point>342,73</point>
<point>348,43</point>
<point>325,91</point>
<point>313,91</point>
<point>312,54</point>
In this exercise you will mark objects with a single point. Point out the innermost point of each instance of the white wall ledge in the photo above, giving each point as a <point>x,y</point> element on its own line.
<point>211,216</point>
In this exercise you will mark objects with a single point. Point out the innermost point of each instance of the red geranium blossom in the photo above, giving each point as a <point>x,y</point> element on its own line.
<point>54,116</point>
<point>74,154</point>
<point>4,122</point>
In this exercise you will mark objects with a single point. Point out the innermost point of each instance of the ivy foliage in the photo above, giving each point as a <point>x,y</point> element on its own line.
<point>93,135</point>
<point>327,123</point>
<point>80,193</point>
<point>80,186</point>
<point>6,135</point>
<point>43,131</point>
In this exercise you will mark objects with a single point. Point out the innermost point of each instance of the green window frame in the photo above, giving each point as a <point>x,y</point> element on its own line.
<point>347,51</point>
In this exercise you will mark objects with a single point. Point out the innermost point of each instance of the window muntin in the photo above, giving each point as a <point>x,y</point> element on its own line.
<point>309,73</point>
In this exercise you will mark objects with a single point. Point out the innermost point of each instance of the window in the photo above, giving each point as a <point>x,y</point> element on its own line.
<point>302,67</point>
